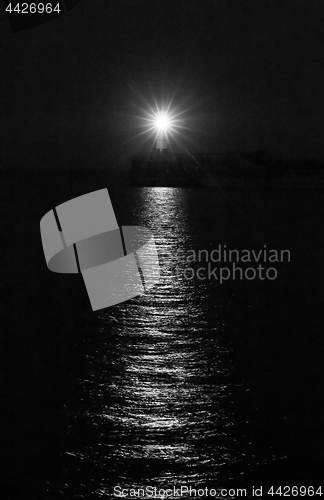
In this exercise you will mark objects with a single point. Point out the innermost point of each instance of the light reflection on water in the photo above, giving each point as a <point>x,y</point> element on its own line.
<point>156,406</point>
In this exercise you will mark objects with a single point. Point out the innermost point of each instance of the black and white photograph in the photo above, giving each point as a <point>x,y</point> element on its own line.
<point>162,278</point>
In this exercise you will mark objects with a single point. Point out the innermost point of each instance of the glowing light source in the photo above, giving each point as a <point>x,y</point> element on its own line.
<point>162,122</point>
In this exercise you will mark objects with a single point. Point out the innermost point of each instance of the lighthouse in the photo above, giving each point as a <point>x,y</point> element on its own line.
<point>162,124</point>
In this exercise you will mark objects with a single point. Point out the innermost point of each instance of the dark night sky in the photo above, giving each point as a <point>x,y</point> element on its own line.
<point>249,73</point>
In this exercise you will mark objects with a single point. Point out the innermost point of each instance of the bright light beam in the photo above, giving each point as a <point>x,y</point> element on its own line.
<point>162,122</point>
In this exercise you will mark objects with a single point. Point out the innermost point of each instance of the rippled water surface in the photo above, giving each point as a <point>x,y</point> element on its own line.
<point>165,396</point>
